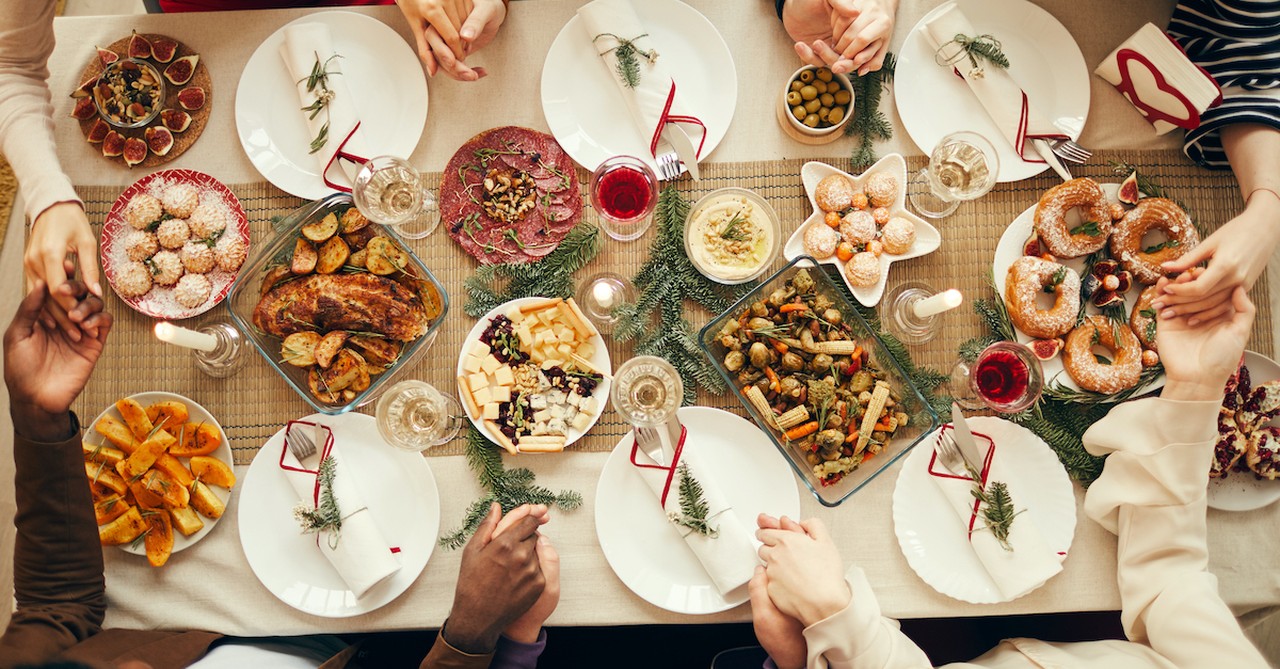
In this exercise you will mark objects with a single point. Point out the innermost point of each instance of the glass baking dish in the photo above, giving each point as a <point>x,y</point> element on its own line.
<point>923,419</point>
<point>277,250</point>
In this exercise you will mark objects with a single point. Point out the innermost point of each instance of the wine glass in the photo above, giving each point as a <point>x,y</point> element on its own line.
<point>962,167</point>
<point>413,415</point>
<point>1006,378</point>
<point>391,192</point>
<point>624,192</point>
<point>646,393</point>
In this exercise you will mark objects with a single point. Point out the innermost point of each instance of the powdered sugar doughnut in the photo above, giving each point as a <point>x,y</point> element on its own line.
<point>192,290</point>
<point>166,268</point>
<point>858,228</point>
<point>898,235</point>
<point>820,241</point>
<point>1079,361</point>
<point>173,233</point>
<point>882,189</point>
<point>863,269</point>
<point>1028,278</point>
<point>132,279</point>
<point>197,257</point>
<point>180,199</point>
<point>1051,218</point>
<point>1152,213</point>
<point>1141,320</point>
<point>833,193</point>
<point>143,210</point>
<point>141,245</point>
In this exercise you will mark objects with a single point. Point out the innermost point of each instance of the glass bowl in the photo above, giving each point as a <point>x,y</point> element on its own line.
<point>693,237</point>
<point>122,69</point>
<point>276,251</point>
<point>909,400</point>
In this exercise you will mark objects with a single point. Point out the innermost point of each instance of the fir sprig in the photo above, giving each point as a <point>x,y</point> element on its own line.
<point>870,124</point>
<point>327,516</point>
<point>985,47</point>
<point>997,508</point>
<point>664,282</point>
<point>693,505</point>
<point>492,285</point>
<point>628,55</point>
<point>509,487</point>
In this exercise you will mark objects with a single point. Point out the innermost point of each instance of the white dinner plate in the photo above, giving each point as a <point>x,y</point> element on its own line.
<point>642,546</point>
<point>382,73</point>
<point>600,359</point>
<point>585,110</point>
<point>198,414</point>
<point>934,540</point>
<point>1009,249</point>
<point>927,237</point>
<point>1043,58</point>
<point>398,488</point>
<point>1242,491</point>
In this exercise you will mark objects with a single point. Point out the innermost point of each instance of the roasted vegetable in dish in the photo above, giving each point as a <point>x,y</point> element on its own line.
<point>798,366</point>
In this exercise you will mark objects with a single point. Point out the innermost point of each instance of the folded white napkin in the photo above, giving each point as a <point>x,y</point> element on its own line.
<point>730,558</point>
<point>360,554</point>
<point>303,44</point>
<point>654,102</point>
<point>1032,561</point>
<point>1002,97</point>
<point>1157,77</point>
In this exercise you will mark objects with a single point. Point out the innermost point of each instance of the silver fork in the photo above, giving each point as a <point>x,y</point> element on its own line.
<point>949,451</point>
<point>668,166</point>
<point>300,444</point>
<point>651,443</point>
<point>1070,151</point>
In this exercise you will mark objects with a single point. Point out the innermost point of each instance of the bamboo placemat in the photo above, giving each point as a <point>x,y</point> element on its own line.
<point>255,403</point>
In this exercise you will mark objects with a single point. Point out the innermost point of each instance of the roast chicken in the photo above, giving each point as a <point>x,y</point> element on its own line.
<point>360,302</point>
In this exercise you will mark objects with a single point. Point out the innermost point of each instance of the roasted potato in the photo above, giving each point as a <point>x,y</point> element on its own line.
<point>186,520</point>
<point>321,230</point>
<point>385,257</point>
<point>333,255</point>
<point>102,453</point>
<point>363,379</point>
<point>299,349</point>
<point>379,353</point>
<point>360,238</point>
<point>145,496</point>
<point>213,471</point>
<point>197,439</point>
<point>173,494</point>
<point>102,475</point>
<point>321,392</point>
<point>205,501</point>
<point>168,414</point>
<point>358,258</point>
<point>174,468</point>
<point>353,221</point>
<point>274,277</point>
<point>304,258</point>
<point>344,370</point>
<point>117,433</point>
<point>329,346</point>
<point>145,455</point>
<point>135,417</point>
<point>109,508</point>
<point>159,538</point>
<point>122,530</point>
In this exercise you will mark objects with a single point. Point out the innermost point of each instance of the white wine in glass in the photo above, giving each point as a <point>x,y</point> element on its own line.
<point>962,167</point>
<point>390,192</point>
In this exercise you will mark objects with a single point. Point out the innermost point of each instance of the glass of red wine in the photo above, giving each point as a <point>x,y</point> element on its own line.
<point>1006,378</point>
<point>624,192</point>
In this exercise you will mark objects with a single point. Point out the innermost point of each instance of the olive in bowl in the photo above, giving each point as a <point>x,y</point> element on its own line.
<point>818,101</point>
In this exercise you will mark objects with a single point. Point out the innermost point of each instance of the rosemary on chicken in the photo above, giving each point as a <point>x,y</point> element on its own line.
<point>628,55</point>
<point>693,505</point>
<point>319,78</point>
<point>996,510</point>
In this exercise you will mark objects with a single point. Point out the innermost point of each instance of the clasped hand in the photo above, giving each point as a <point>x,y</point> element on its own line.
<point>846,35</point>
<point>448,31</point>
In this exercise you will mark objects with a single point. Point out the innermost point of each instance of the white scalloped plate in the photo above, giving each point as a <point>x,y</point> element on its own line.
<point>927,237</point>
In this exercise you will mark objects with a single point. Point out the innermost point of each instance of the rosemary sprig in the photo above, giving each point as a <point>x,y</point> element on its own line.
<point>1055,390</point>
<point>327,516</point>
<point>319,79</point>
<point>693,505</point>
<point>628,55</point>
<point>733,230</point>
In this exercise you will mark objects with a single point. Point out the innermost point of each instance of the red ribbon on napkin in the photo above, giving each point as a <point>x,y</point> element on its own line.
<point>670,469</point>
<point>324,453</point>
<point>668,117</point>
<point>1126,87</point>
<point>986,470</point>
<point>341,154</point>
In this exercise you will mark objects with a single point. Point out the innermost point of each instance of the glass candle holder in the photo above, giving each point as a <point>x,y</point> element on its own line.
<point>624,192</point>
<point>912,310</point>
<point>600,294</point>
<point>227,356</point>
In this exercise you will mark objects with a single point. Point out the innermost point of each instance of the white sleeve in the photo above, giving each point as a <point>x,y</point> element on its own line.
<point>858,636</point>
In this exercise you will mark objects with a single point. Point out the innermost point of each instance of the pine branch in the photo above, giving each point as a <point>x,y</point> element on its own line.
<point>492,285</point>
<point>628,55</point>
<point>997,509</point>
<point>693,505</point>
<point>985,47</point>
<point>869,123</point>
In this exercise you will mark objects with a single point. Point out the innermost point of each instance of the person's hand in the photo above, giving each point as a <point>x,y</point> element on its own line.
<point>845,35</point>
<point>802,564</point>
<point>525,629</point>
<point>1237,253</point>
<point>499,580</point>
<point>448,31</point>
<point>1199,358</point>
<point>58,231</point>
<point>44,368</point>
<point>781,635</point>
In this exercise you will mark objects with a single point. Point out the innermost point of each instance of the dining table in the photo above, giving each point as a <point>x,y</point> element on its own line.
<point>211,586</point>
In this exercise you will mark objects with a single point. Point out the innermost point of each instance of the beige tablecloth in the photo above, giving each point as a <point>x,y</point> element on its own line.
<point>211,586</point>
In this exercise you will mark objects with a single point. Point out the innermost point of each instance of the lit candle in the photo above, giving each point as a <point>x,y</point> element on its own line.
<point>603,293</point>
<point>932,306</point>
<point>172,334</point>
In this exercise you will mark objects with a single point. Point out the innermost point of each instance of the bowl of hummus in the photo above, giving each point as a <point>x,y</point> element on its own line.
<point>732,235</point>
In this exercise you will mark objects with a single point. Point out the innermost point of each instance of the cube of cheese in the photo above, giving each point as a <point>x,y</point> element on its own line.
<point>481,396</point>
<point>552,362</point>
<point>514,314</point>
<point>557,411</point>
<point>547,316</point>
<point>581,421</point>
<point>587,405</point>
<point>555,397</point>
<point>471,364</point>
<point>537,402</point>
<point>478,380</point>
<point>545,336</point>
<point>490,364</point>
<point>567,335</point>
<point>555,426</point>
<point>491,411</point>
<point>586,351</point>
<point>536,355</point>
<point>565,350</point>
<point>573,400</point>
<point>525,334</point>
<point>499,393</point>
<point>570,412</point>
<point>480,349</point>
<point>541,416</point>
<point>503,376</point>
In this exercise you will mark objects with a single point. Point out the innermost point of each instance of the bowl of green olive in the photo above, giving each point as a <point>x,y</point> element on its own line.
<point>818,101</point>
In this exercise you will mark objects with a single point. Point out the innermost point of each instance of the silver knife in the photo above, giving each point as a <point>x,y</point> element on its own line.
<point>684,148</point>
<point>1042,147</point>
<point>964,438</point>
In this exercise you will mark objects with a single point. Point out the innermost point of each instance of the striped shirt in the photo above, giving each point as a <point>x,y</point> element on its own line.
<point>1238,43</point>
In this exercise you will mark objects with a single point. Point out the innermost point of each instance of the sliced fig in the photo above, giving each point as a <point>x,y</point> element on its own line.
<point>113,144</point>
<point>84,109</point>
<point>85,88</point>
<point>163,49</point>
<point>1103,268</point>
<point>1129,189</point>
<point>1046,349</point>
<point>191,98</point>
<point>159,140</point>
<point>1125,281</point>
<point>1089,285</point>
<point>98,131</point>
<point>135,151</point>
<point>1032,247</point>
<point>175,119</point>
<point>139,46</point>
<point>107,56</point>
<point>179,71</point>
<point>1105,298</point>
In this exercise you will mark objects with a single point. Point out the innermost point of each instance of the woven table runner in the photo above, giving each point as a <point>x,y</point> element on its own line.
<point>256,402</point>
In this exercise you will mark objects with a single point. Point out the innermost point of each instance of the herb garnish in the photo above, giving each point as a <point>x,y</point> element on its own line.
<point>326,516</point>
<point>733,230</point>
<point>1089,228</point>
<point>693,505</point>
<point>628,57</point>
<point>1056,280</point>
<point>319,78</point>
<point>997,508</point>
<point>985,47</point>
<point>1166,244</point>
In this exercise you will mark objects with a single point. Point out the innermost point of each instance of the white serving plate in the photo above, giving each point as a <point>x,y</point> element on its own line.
<point>1242,491</point>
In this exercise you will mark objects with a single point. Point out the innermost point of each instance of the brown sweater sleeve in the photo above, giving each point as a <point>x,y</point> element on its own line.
<point>444,656</point>
<point>57,564</point>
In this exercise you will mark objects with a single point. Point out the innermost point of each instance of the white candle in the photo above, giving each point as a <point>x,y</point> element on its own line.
<point>172,334</point>
<point>932,306</point>
<point>603,292</point>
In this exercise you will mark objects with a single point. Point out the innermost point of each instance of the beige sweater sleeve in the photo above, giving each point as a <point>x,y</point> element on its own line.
<point>858,636</point>
<point>1152,496</point>
<point>26,114</point>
